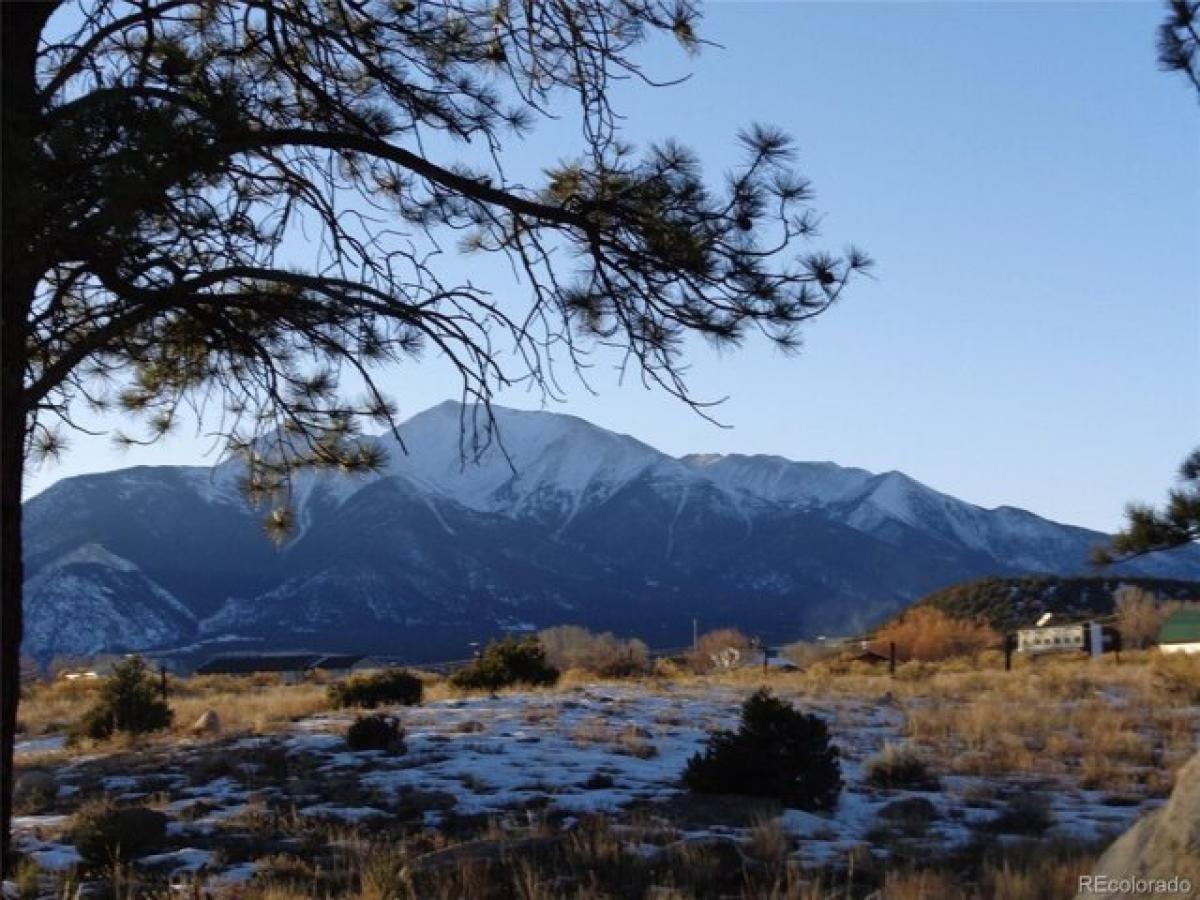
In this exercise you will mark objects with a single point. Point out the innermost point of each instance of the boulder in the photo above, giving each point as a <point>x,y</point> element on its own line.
<point>1162,845</point>
<point>208,723</point>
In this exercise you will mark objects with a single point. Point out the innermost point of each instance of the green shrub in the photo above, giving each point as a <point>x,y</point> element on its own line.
<point>1026,814</point>
<point>105,833</point>
<point>376,732</point>
<point>899,766</point>
<point>507,662</point>
<point>391,686</point>
<point>776,752</point>
<point>129,701</point>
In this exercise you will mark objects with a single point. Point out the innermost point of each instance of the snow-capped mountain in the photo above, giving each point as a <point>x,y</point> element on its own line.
<point>554,520</point>
<point>90,600</point>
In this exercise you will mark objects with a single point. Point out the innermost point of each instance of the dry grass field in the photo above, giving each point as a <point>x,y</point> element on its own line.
<point>962,781</point>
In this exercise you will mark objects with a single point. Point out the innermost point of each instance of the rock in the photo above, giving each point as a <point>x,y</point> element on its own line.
<point>35,788</point>
<point>209,723</point>
<point>1162,845</point>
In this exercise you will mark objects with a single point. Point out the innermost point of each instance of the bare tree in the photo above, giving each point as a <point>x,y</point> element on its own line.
<point>1140,615</point>
<point>162,156</point>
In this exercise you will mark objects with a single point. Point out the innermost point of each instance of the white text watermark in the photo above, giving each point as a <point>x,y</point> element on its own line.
<point>1115,884</point>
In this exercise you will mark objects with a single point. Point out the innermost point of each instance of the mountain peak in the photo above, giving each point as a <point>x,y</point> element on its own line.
<point>502,462</point>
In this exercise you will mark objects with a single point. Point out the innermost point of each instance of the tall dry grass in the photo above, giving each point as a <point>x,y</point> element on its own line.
<point>255,705</point>
<point>255,711</point>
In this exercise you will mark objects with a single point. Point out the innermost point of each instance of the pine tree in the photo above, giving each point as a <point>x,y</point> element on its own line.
<point>161,156</point>
<point>129,702</point>
<point>1149,530</point>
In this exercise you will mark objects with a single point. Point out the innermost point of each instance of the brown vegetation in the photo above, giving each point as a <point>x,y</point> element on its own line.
<point>928,634</point>
<point>1140,614</point>
<point>571,647</point>
<point>719,650</point>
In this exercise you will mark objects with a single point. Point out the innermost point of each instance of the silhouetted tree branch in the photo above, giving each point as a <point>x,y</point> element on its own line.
<point>1179,40</point>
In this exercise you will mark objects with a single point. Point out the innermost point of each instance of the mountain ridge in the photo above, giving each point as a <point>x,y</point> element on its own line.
<point>559,521</point>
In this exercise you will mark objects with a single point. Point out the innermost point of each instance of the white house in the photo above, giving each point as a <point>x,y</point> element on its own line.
<point>1180,633</point>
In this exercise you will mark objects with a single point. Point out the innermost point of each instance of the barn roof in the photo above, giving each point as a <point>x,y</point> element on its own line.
<point>245,663</point>
<point>1181,627</point>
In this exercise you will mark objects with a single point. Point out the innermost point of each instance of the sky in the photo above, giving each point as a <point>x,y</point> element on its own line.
<point>1028,182</point>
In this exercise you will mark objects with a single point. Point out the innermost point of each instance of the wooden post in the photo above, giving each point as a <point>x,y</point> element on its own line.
<point>892,658</point>
<point>162,681</point>
<point>1008,652</point>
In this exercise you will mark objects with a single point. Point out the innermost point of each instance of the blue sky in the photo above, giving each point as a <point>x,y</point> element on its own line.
<point>1029,184</point>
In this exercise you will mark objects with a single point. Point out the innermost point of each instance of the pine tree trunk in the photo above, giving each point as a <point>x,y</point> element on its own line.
<point>11,578</point>
<point>20,28</point>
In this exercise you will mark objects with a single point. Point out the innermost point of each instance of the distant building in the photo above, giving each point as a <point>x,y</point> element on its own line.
<point>292,667</point>
<point>1075,636</point>
<point>339,665</point>
<point>91,670</point>
<point>1180,633</point>
<point>1050,638</point>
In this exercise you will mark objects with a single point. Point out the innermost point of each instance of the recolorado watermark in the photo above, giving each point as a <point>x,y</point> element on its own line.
<point>1113,884</point>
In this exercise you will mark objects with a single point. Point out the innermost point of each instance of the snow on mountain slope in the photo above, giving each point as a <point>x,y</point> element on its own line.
<point>540,462</point>
<point>892,506</point>
<point>91,601</point>
<point>895,497</point>
<point>1015,537</point>
<point>778,480</point>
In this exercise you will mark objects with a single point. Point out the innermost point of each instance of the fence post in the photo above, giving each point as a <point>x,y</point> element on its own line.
<point>1008,652</point>
<point>892,658</point>
<point>162,681</point>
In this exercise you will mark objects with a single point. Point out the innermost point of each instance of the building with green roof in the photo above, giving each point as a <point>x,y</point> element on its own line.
<point>1180,633</point>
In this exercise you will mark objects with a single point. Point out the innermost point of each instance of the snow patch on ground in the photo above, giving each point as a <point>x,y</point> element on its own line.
<point>595,748</point>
